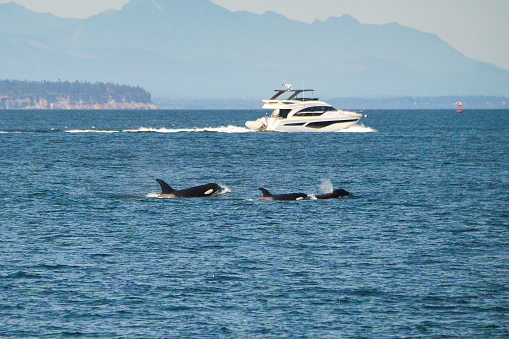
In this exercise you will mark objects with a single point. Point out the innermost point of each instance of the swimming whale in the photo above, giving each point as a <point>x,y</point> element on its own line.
<point>288,196</point>
<point>339,193</point>
<point>192,192</point>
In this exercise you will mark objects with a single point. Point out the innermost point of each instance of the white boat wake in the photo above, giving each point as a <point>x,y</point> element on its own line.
<point>359,128</point>
<point>89,131</point>
<point>221,129</point>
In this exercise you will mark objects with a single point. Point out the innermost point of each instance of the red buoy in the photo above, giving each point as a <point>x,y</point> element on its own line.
<point>459,108</point>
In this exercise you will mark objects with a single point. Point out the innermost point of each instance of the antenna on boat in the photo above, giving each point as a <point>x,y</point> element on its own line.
<point>286,86</point>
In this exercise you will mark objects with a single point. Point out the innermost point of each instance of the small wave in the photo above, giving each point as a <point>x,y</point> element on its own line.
<point>21,275</point>
<point>221,129</point>
<point>359,128</point>
<point>29,131</point>
<point>224,190</point>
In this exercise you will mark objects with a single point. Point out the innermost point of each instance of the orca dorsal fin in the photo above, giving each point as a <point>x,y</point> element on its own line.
<point>265,192</point>
<point>166,189</point>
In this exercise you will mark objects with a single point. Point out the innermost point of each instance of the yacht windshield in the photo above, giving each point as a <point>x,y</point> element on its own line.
<point>280,113</point>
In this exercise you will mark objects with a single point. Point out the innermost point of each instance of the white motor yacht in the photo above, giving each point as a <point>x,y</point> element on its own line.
<point>294,114</point>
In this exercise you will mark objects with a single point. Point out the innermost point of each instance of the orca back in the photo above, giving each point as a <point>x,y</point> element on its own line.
<point>199,191</point>
<point>339,193</point>
<point>289,196</point>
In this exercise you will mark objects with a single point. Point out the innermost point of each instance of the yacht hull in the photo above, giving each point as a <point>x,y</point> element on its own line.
<point>329,125</point>
<point>325,124</point>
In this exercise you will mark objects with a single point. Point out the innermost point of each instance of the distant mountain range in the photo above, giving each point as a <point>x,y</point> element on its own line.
<point>196,49</point>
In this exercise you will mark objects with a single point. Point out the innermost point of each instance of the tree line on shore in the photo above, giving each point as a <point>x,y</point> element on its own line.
<point>98,92</point>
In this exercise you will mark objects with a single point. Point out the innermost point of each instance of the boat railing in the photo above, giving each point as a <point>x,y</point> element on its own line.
<point>278,102</point>
<point>306,99</point>
<point>288,102</point>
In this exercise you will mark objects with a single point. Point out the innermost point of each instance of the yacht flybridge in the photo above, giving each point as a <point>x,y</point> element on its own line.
<point>302,114</point>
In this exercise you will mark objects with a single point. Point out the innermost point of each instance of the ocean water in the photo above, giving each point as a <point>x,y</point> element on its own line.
<point>419,249</point>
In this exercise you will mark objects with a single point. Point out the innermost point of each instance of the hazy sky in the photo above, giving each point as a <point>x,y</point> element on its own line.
<point>477,28</point>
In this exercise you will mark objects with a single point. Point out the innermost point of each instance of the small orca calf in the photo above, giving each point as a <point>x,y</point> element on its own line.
<point>289,196</point>
<point>340,193</point>
<point>193,192</point>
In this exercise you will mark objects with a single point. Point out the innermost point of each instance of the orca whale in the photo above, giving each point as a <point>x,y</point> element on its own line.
<point>288,196</point>
<point>339,193</point>
<point>192,192</point>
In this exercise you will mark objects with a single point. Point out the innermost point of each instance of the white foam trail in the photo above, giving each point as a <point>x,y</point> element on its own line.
<point>359,128</point>
<point>326,186</point>
<point>89,131</point>
<point>224,189</point>
<point>148,129</point>
<point>221,129</point>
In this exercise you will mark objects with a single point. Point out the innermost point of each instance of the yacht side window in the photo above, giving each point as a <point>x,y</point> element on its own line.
<point>311,111</point>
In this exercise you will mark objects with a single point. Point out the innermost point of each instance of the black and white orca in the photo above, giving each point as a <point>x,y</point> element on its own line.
<point>192,192</point>
<point>339,193</point>
<point>288,196</point>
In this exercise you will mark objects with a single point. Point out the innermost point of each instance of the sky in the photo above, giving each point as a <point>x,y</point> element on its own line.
<point>477,28</point>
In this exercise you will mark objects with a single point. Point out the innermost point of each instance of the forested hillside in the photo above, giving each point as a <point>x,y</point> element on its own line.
<point>16,94</point>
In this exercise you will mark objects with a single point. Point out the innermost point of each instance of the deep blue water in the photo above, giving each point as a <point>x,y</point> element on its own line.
<point>420,248</point>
